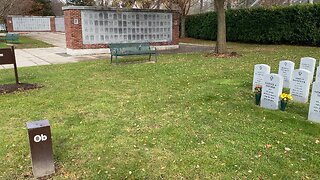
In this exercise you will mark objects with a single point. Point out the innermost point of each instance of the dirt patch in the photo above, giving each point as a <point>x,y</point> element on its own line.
<point>11,88</point>
<point>224,55</point>
<point>184,48</point>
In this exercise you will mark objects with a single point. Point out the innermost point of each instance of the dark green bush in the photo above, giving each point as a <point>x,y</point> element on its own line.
<point>298,24</point>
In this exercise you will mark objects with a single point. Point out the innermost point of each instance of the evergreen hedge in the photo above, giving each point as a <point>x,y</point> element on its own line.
<point>299,24</point>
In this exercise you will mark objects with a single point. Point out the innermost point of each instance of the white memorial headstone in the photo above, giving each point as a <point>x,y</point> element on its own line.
<point>314,108</point>
<point>271,91</point>
<point>308,63</point>
<point>259,71</point>
<point>285,70</point>
<point>300,85</point>
<point>318,74</point>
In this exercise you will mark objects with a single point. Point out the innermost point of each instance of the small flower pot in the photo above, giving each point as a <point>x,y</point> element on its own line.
<point>283,105</point>
<point>258,98</point>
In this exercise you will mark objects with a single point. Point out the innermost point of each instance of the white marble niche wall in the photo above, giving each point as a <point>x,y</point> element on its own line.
<point>104,27</point>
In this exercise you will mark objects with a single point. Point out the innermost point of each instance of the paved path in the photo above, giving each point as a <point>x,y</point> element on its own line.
<point>56,39</point>
<point>48,56</point>
<point>57,55</point>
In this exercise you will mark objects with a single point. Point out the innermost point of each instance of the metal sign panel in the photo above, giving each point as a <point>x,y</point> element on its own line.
<point>7,56</point>
<point>41,148</point>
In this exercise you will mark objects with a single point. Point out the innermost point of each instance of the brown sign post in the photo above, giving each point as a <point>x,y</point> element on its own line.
<point>7,56</point>
<point>41,148</point>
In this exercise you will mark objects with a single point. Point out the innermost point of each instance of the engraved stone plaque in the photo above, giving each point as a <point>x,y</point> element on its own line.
<point>308,63</point>
<point>300,85</point>
<point>259,71</point>
<point>318,74</point>
<point>271,91</point>
<point>285,70</point>
<point>314,107</point>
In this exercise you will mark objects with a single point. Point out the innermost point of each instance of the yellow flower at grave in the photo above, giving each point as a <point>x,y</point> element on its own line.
<point>285,97</point>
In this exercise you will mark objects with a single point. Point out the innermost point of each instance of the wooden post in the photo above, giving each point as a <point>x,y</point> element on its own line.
<point>15,65</point>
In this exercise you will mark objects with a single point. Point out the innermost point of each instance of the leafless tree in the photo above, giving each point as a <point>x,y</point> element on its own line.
<point>146,4</point>
<point>57,7</point>
<point>201,6</point>
<point>103,2</point>
<point>15,7</point>
<point>123,3</point>
<point>149,4</point>
<point>183,6</point>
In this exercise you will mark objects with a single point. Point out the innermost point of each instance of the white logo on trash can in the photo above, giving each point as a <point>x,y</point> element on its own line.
<point>39,138</point>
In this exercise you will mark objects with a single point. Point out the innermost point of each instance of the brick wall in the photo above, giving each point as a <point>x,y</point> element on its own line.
<point>9,24</point>
<point>175,28</point>
<point>73,31</point>
<point>52,24</point>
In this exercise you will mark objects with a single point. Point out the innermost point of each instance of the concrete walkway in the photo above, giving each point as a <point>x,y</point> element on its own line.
<point>48,56</point>
<point>57,39</point>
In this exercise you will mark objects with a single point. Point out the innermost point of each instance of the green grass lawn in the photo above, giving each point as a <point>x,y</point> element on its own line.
<point>26,42</point>
<point>186,116</point>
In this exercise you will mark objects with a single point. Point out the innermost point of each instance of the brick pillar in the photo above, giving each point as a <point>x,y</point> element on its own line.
<point>9,24</point>
<point>52,24</point>
<point>73,28</point>
<point>175,28</point>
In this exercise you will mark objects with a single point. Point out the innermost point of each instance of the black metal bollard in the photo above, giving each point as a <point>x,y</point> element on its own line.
<point>41,148</point>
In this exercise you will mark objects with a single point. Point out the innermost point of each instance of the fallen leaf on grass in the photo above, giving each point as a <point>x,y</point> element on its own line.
<point>259,155</point>
<point>268,146</point>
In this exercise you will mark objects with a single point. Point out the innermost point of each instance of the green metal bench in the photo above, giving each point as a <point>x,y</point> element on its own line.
<point>10,38</point>
<point>127,49</point>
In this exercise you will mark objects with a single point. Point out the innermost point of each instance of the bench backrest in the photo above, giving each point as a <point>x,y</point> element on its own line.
<point>12,36</point>
<point>129,46</point>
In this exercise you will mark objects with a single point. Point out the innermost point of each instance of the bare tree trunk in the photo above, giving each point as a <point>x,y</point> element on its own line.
<point>254,3</point>
<point>221,46</point>
<point>228,4</point>
<point>183,27</point>
<point>247,3</point>
<point>201,6</point>
<point>158,4</point>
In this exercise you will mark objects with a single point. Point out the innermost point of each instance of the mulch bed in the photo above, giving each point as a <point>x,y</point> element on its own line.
<point>208,50</point>
<point>185,49</point>
<point>11,88</point>
<point>225,55</point>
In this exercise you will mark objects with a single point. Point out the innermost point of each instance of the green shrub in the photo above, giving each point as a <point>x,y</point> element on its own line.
<point>298,24</point>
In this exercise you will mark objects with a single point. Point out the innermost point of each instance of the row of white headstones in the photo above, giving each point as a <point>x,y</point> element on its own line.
<point>298,80</point>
